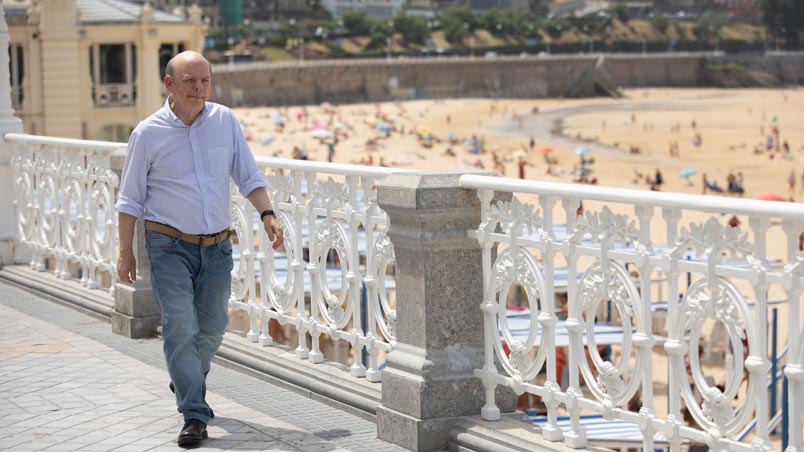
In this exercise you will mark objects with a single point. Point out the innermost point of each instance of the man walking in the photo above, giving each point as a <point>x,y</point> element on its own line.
<point>176,175</point>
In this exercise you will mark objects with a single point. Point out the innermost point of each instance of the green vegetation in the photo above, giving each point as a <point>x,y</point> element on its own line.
<point>458,30</point>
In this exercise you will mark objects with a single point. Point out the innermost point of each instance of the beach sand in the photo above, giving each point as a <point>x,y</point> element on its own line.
<point>728,121</point>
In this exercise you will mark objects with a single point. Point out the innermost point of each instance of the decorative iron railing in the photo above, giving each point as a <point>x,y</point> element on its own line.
<point>333,275</point>
<point>114,95</point>
<point>65,192</point>
<point>715,277</point>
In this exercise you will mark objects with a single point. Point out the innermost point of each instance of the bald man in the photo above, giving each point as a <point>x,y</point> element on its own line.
<point>176,176</point>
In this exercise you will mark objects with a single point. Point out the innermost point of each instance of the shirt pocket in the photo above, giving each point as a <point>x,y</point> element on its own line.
<point>218,161</point>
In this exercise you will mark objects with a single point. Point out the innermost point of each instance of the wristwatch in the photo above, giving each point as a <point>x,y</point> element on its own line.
<point>265,213</point>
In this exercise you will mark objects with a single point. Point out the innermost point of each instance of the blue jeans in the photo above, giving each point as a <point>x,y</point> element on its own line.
<point>191,285</point>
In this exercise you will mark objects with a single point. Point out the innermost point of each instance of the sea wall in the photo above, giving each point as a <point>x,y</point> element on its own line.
<point>347,81</point>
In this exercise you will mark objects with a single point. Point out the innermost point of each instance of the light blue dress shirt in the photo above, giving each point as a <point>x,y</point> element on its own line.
<point>179,175</point>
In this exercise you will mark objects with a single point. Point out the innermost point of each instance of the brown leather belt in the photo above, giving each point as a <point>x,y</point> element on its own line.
<point>200,240</point>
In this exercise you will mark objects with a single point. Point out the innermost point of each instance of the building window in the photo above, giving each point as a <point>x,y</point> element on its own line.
<point>113,70</point>
<point>17,70</point>
<point>166,52</point>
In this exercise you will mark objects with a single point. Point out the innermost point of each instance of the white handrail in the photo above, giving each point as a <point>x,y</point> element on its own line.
<point>342,169</point>
<point>784,210</point>
<point>64,142</point>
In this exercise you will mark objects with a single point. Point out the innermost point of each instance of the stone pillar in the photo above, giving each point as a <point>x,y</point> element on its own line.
<point>136,313</point>
<point>8,124</point>
<point>429,380</point>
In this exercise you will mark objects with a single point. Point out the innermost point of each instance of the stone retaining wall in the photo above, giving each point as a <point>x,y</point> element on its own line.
<point>349,81</point>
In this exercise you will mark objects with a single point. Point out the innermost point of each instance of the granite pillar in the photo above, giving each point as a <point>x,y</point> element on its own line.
<point>428,384</point>
<point>136,313</point>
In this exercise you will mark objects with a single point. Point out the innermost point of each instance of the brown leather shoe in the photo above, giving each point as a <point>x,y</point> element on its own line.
<point>192,434</point>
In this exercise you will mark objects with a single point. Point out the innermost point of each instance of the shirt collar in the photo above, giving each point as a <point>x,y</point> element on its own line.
<point>171,116</point>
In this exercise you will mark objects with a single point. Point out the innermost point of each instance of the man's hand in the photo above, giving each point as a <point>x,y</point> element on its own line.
<point>127,267</point>
<point>275,233</point>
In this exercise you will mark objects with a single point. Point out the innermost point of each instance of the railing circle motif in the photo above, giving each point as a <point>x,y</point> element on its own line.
<point>331,235</point>
<point>281,293</point>
<point>602,282</point>
<point>719,300</point>
<point>517,266</point>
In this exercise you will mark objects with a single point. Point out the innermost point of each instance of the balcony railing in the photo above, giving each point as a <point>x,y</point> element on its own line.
<point>65,191</point>
<point>114,95</point>
<point>609,257</point>
<point>334,275</point>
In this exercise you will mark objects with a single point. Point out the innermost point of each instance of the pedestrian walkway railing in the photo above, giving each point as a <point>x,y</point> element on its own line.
<point>333,277</point>
<point>717,277</point>
<point>64,193</point>
<point>334,273</point>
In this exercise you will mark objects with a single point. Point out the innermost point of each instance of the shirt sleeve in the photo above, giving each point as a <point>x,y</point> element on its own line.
<point>245,172</point>
<point>133,183</point>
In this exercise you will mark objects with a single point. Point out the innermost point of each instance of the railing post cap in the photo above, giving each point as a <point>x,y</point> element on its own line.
<point>424,190</point>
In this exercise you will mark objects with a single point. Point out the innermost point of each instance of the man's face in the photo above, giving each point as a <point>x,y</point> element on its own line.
<point>190,85</point>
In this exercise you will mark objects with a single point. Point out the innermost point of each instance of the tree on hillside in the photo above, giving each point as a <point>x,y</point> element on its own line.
<point>659,22</point>
<point>784,18</point>
<point>556,27</point>
<point>621,12</point>
<point>381,30</point>
<point>709,25</point>
<point>457,22</point>
<point>356,23</point>
<point>500,21</point>
<point>413,28</point>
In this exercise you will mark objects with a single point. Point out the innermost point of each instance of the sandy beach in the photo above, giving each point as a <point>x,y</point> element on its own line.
<point>728,123</point>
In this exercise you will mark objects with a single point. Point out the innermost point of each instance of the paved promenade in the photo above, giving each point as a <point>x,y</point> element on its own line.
<point>67,384</point>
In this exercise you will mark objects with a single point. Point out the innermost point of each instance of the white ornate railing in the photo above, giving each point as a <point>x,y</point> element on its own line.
<point>332,276</point>
<point>65,192</point>
<point>616,260</point>
<point>302,286</point>
<point>114,95</point>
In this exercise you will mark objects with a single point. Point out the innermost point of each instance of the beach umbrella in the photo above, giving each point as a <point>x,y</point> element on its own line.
<point>422,130</point>
<point>582,151</point>
<point>450,134</point>
<point>321,133</point>
<point>383,127</point>
<point>772,197</point>
<point>326,105</point>
<point>686,172</point>
<point>545,150</point>
<point>340,125</point>
<point>268,138</point>
<point>299,113</point>
<point>520,154</point>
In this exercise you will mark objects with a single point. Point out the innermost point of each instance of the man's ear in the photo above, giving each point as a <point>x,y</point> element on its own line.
<point>168,82</point>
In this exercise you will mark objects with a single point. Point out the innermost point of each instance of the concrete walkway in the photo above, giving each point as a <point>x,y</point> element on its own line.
<point>67,384</point>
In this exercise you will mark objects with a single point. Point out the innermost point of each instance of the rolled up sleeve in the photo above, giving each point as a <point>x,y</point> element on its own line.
<point>133,183</point>
<point>245,172</point>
